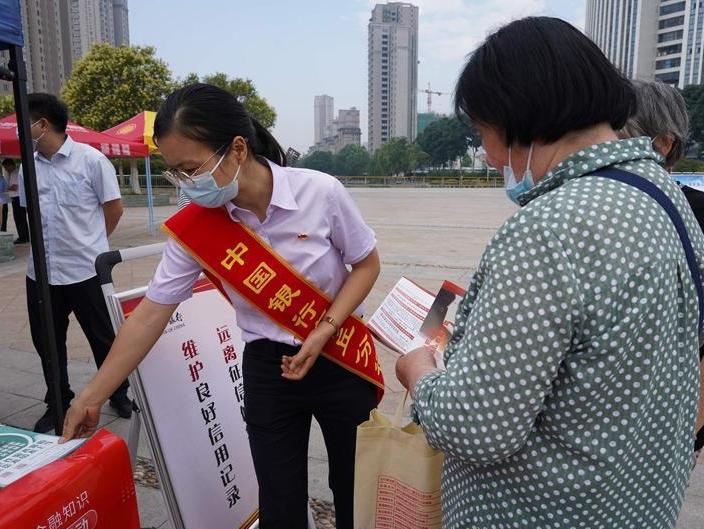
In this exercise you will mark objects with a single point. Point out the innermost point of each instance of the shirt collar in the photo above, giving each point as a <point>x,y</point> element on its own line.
<point>64,150</point>
<point>591,159</point>
<point>281,195</point>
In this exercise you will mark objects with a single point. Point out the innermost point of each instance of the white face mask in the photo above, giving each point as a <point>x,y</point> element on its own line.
<point>35,141</point>
<point>515,189</point>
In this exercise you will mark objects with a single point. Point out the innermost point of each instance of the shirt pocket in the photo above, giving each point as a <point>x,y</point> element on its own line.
<point>69,196</point>
<point>73,194</point>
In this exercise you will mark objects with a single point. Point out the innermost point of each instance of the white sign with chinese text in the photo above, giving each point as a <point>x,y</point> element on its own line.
<point>192,383</point>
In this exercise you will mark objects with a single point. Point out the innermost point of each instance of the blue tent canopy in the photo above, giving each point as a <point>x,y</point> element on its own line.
<point>10,24</point>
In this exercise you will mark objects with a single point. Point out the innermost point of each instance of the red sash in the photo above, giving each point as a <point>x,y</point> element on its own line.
<point>231,253</point>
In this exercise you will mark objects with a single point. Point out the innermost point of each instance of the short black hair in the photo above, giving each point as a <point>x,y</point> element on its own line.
<point>9,161</point>
<point>49,107</point>
<point>210,115</point>
<point>539,78</point>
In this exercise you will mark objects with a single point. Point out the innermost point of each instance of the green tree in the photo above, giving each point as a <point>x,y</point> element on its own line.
<point>320,161</point>
<point>7,105</point>
<point>474,140</point>
<point>398,154</point>
<point>352,160</point>
<point>111,84</point>
<point>445,140</point>
<point>419,157</point>
<point>379,164</point>
<point>689,166</point>
<point>398,157</point>
<point>189,79</point>
<point>245,92</point>
<point>694,98</point>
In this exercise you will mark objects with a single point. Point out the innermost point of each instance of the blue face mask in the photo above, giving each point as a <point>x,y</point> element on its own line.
<point>513,188</point>
<point>205,192</point>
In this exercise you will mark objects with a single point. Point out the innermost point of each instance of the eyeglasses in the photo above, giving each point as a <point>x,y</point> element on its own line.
<point>181,178</point>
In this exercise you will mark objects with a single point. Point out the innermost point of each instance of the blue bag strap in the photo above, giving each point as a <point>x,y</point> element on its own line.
<point>657,194</point>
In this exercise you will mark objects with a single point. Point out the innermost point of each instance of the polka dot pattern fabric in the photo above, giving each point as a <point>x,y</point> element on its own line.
<point>572,379</point>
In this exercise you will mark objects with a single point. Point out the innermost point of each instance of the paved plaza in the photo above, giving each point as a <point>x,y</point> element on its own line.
<point>427,235</point>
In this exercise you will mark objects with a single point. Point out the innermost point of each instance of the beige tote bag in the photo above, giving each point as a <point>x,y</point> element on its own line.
<point>397,475</point>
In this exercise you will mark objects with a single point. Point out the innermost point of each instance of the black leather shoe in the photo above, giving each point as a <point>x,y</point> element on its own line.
<point>20,241</point>
<point>123,407</point>
<point>46,422</point>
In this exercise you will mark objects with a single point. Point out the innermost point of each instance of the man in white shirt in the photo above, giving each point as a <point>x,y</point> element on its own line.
<point>19,214</point>
<point>4,199</point>
<point>80,204</point>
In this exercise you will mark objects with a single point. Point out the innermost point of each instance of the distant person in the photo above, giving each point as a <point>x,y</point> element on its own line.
<point>571,387</point>
<point>19,213</point>
<point>80,206</point>
<point>4,199</point>
<point>661,115</point>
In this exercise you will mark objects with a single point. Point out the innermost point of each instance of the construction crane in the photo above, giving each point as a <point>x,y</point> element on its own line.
<point>431,93</point>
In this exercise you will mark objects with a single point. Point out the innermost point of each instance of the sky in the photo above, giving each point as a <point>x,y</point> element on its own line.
<point>294,50</point>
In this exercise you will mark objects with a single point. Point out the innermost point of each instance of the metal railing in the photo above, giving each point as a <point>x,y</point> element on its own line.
<point>459,180</point>
<point>493,179</point>
<point>157,181</point>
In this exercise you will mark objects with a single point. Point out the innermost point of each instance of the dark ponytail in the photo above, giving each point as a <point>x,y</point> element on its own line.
<point>214,117</point>
<point>268,145</point>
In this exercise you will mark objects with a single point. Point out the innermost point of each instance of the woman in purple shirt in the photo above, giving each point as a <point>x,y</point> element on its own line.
<point>222,158</point>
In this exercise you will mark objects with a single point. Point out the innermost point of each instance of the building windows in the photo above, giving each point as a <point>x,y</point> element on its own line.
<point>672,8</point>
<point>669,77</point>
<point>668,63</point>
<point>669,50</point>
<point>671,22</point>
<point>670,36</point>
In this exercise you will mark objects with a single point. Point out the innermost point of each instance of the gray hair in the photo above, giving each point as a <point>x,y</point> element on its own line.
<point>660,111</point>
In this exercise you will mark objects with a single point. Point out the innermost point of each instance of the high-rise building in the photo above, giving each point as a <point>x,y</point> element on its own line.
<point>91,21</point>
<point>324,110</point>
<point>650,39</point>
<point>393,73</point>
<point>347,131</point>
<point>122,23</point>
<point>341,132</point>
<point>43,49</point>
<point>59,32</point>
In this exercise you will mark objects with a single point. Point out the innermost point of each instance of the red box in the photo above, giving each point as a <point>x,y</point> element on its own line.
<point>92,488</point>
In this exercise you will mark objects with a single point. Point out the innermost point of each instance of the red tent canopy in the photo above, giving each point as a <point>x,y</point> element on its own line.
<point>108,145</point>
<point>139,128</point>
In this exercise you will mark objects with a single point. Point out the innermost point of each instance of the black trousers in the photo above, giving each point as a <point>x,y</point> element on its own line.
<point>278,414</point>
<point>85,300</point>
<point>19,214</point>
<point>3,220</point>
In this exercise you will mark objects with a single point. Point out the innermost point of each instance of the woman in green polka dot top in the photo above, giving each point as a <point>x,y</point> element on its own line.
<point>570,392</point>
